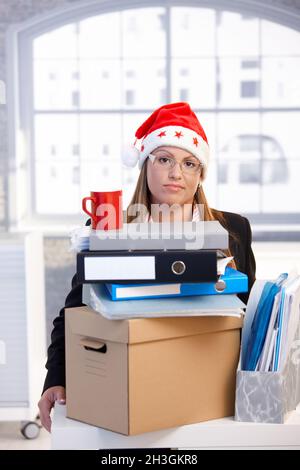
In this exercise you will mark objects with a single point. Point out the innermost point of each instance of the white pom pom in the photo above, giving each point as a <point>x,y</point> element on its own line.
<point>130,156</point>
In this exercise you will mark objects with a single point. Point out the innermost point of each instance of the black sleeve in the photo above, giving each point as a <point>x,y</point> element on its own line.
<point>56,352</point>
<point>250,260</point>
<point>250,264</point>
<point>55,364</point>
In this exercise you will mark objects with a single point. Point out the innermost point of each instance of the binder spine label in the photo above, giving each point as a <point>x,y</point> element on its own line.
<point>119,267</point>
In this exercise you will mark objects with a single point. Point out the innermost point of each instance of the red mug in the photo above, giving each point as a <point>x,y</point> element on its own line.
<point>106,209</point>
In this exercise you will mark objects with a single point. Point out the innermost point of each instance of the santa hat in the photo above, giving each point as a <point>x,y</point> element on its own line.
<point>175,125</point>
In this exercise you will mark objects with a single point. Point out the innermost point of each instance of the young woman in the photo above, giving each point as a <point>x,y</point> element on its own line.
<point>173,159</point>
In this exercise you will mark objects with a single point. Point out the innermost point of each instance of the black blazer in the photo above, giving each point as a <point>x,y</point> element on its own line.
<point>240,246</point>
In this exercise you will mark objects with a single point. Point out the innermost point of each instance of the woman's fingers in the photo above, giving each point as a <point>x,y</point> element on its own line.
<point>46,403</point>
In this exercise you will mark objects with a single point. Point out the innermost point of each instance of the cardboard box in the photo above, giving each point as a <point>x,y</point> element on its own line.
<point>140,375</point>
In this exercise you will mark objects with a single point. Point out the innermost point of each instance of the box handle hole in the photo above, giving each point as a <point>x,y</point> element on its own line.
<point>93,345</point>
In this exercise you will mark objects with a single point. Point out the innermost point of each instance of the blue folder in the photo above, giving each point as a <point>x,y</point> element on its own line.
<point>235,282</point>
<point>260,323</point>
<point>260,326</point>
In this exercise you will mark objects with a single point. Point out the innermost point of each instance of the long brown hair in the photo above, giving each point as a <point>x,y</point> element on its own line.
<point>142,196</point>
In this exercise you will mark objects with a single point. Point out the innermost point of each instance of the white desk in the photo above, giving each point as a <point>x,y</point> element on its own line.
<point>221,434</point>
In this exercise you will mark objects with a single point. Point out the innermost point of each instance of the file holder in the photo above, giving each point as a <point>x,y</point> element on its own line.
<point>267,397</point>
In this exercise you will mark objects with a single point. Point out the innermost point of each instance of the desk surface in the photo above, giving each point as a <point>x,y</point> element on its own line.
<point>221,433</point>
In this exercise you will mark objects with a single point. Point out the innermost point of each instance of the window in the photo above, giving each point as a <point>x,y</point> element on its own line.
<point>130,74</point>
<point>97,78</point>
<point>105,149</point>
<point>75,149</point>
<point>249,89</point>
<point>250,64</point>
<point>129,97</point>
<point>163,95</point>
<point>184,72</point>
<point>183,94</point>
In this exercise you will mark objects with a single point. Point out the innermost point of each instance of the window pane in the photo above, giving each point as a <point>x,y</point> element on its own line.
<point>284,74</point>
<point>130,123</point>
<point>282,159</point>
<point>56,137</point>
<point>100,140</point>
<point>250,89</point>
<point>144,83</point>
<point>194,81</point>
<point>238,162</point>
<point>100,84</point>
<point>208,122</point>
<point>57,188</point>
<point>237,35</point>
<point>238,86</point>
<point>279,40</point>
<point>99,175</point>
<point>285,127</point>
<point>144,33</point>
<point>56,84</point>
<point>192,32</point>
<point>100,137</point>
<point>100,37</point>
<point>59,43</point>
<point>280,192</point>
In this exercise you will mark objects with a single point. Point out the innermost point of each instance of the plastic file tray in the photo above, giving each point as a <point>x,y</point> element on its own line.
<point>268,397</point>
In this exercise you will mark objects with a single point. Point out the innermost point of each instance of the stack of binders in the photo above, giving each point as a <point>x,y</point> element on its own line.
<point>153,270</point>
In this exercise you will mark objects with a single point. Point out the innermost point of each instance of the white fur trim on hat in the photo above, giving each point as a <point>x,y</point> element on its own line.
<point>175,136</point>
<point>130,156</point>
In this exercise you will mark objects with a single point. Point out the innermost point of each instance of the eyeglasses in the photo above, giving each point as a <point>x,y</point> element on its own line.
<point>189,167</point>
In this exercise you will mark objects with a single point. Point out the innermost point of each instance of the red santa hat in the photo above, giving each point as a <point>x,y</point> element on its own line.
<point>175,125</point>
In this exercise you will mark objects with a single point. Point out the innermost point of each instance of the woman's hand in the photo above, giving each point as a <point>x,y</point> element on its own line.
<point>46,403</point>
